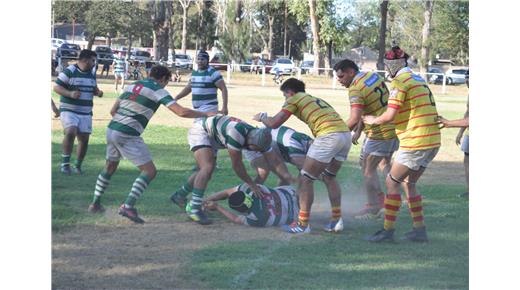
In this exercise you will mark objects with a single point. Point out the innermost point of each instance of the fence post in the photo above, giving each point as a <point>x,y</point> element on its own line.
<point>263,76</point>
<point>228,74</point>
<point>444,84</point>
<point>299,74</point>
<point>333,79</point>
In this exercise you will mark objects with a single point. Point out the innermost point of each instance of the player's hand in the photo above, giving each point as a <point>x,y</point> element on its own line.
<point>355,137</point>
<point>56,114</point>
<point>209,205</point>
<point>458,138</point>
<point>210,114</point>
<point>257,117</point>
<point>224,111</point>
<point>369,119</point>
<point>441,121</point>
<point>256,190</point>
<point>75,94</point>
<point>99,93</point>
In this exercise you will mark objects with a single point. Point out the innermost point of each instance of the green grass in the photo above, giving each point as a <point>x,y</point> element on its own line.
<point>315,261</point>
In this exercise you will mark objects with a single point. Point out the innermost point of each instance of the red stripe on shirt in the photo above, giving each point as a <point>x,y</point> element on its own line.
<point>419,126</point>
<point>418,96</point>
<point>420,146</point>
<point>420,136</point>
<point>358,80</point>
<point>310,114</point>
<point>288,112</point>
<point>357,106</point>
<point>423,105</point>
<point>407,79</point>
<point>418,116</point>
<point>392,99</point>
<point>393,106</point>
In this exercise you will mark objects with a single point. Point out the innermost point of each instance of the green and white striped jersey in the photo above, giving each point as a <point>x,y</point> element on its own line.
<point>204,89</point>
<point>119,65</point>
<point>72,78</point>
<point>287,141</point>
<point>277,207</point>
<point>138,104</point>
<point>228,132</point>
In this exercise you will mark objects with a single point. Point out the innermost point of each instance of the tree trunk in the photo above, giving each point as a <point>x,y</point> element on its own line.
<point>161,17</point>
<point>130,38</point>
<point>328,59</point>
<point>91,41</point>
<point>425,45</point>
<point>382,35</point>
<point>185,5</point>
<point>271,36</point>
<point>285,29</point>
<point>315,27</point>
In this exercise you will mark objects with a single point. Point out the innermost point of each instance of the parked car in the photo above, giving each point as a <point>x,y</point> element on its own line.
<point>183,61</point>
<point>57,42</point>
<point>68,51</point>
<point>434,75</point>
<point>140,55</point>
<point>217,63</point>
<point>105,55</point>
<point>285,65</point>
<point>307,66</point>
<point>259,63</point>
<point>456,76</point>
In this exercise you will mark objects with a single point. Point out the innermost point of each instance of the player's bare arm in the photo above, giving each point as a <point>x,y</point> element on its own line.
<point>188,113</point>
<point>66,93</point>
<point>240,170</point>
<point>115,107</point>
<point>385,118</point>
<point>185,91</point>
<point>272,122</point>
<point>222,86</point>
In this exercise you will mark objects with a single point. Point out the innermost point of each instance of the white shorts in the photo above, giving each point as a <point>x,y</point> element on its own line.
<point>129,147</point>
<point>415,159</point>
<point>118,75</point>
<point>333,145</point>
<point>465,145</point>
<point>199,138</point>
<point>379,147</point>
<point>82,122</point>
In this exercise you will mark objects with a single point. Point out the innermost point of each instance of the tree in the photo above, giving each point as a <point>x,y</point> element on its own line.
<point>100,21</point>
<point>425,45</point>
<point>185,4</point>
<point>161,16</point>
<point>315,27</point>
<point>382,34</point>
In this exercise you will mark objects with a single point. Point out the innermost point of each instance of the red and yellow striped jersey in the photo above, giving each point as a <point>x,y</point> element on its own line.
<point>316,113</point>
<point>415,124</point>
<point>368,92</point>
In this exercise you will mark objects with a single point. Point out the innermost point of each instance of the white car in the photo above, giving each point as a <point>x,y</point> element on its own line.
<point>141,56</point>
<point>183,61</point>
<point>284,65</point>
<point>57,42</point>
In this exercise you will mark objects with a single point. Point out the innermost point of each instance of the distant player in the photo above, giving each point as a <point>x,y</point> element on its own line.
<point>119,71</point>
<point>290,145</point>
<point>131,114</point>
<point>277,207</point>
<point>368,95</point>
<point>411,107</point>
<point>77,87</point>
<point>324,157</point>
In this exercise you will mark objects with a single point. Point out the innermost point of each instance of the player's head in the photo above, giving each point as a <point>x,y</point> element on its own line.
<point>161,74</point>
<point>346,70</point>
<point>202,60</point>
<point>292,86</point>
<point>87,59</point>
<point>240,201</point>
<point>395,59</point>
<point>259,139</point>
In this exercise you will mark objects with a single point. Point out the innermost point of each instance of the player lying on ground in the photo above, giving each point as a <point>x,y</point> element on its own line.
<point>278,206</point>
<point>234,135</point>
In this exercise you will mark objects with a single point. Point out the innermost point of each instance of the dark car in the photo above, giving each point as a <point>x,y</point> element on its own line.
<point>307,66</point>
<point>68,51</point>
<point>105,55</point>
<point>434,75</point>
<point>258,68</point>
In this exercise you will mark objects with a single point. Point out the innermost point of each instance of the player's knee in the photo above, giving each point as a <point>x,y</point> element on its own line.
<point>393,180</point>
<point>307,177</point>
<point>328,176</point>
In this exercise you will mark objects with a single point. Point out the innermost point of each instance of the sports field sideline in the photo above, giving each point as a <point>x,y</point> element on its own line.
<point>171,252</point>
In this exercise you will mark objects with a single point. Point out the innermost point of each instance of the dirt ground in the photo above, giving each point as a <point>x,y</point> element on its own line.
<point>123,255</point>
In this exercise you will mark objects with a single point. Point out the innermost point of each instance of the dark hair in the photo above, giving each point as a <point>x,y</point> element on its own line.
<point>293,85</point>
<point>86,54</point>
<point>203,54</point>
<point>346,63</point>
<point>236,201</point>
<point>158,72</point>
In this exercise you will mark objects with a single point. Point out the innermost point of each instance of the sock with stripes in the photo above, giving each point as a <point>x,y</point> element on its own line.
<point>392,205</point>
<point>303,218</point>
<point>196,199</point>
<point>101,185</point>
<point>78,163</point>
<point>185,190</point>
<point>140,184</point>
<point>416,211</point>
<point>65,160</point>
<point>336,213</point>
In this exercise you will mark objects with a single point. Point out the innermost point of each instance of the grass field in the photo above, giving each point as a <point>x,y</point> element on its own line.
<point>171,252</point>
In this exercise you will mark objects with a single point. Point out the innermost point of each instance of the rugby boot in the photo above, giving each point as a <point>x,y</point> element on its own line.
<point>416,235</point>
<point>65,169</point>
<point>296,228</point>
<point>369,212</point>
<point>131,214</point>
<point>179,200</point>
<point>199,217</point>
<point>77,170</point>
<point>96,207</point>
<point>381,236</point>
<point>334,226</point>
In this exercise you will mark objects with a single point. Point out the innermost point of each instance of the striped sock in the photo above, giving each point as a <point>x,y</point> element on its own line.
<point>303,218</point>
<point>185,190</point>
<point>65,160</point>
<point>101,184</point>
<point>78,163</point>
<point>336,213</point>
<point>392,205</point>
<point>416,210</point>
<point>196,199</point>
<point>140,184</point>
